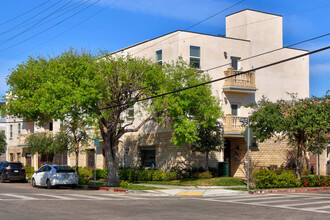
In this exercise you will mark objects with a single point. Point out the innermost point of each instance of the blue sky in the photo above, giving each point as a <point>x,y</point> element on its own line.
<point>114,24</point>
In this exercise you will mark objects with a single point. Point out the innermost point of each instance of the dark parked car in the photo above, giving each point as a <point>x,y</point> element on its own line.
<point>12,171</point>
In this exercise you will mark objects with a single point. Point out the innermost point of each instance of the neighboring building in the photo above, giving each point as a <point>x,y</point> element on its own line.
<point>248,33</point>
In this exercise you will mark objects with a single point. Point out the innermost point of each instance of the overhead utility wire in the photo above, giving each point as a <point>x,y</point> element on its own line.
<point>63,9</point>
<point>219,79</point>
<point>223,65</point>
<point>14,18</point>
<point>219,12</point>
<point>50,27</point>
<point>41,19</point>
<point>31,27</point>
<point>28,19</point>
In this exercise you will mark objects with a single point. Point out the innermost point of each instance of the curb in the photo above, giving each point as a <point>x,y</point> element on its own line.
<point>106,189</point>
<point>288,190</point>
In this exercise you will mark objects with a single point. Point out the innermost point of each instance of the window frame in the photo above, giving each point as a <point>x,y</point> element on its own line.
<point>238,108</point>
<point>191,57</point>
<point>159,61</point>
<point>238,64</point>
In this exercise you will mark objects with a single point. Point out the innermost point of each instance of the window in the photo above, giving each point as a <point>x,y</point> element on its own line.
<point>234,109</point>
<point>19,128</point>
<point>51,126</point>
<point>19,158</point>
<point>148,156</point>
<point>235,63</point>
<point>11,131</point>
<point>130,112</point>
<point>195,57</point>
<point>159,57</point>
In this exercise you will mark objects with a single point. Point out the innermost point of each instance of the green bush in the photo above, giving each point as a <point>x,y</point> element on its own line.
<point>265,178</point>
<point>84,176</point>
<point>100,173</point>
<point>125,184</point>
<point>304,172</point>
<point>286,179</point>
<point>205,175</point>
<point>173,175</point>
<point>29,171</point>
<point>157,175</point>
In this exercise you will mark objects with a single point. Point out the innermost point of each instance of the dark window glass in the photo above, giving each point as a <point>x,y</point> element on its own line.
<point>195,57</point>
<point>148,156</point>
<point>51,126</point>
<point>234,109</point>
<point>235,62</point>
<point>159,56</point>
<point>64,169</point>
<point>15,165</point>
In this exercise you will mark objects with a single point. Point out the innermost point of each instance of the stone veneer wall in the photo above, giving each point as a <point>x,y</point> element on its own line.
<point>269,153</point>
<point>167,155</point>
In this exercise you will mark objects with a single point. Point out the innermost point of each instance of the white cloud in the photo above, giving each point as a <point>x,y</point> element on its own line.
<point>189,10</point>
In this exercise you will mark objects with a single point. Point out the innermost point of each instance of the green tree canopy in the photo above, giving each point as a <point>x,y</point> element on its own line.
<point>210,139</point>
<point>80,86</point>
<point>300,121</point>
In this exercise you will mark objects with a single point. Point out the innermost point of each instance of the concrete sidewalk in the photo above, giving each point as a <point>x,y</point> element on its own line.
<point>189,191</point>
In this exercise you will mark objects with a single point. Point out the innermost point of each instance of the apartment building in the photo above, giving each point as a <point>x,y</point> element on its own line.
<point>249,33</point>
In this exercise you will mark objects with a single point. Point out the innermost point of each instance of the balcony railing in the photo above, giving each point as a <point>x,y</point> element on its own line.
<point>246,80</point>
<point>232,124</point>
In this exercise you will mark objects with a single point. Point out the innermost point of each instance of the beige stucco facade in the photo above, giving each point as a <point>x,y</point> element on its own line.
<point>254,39</point>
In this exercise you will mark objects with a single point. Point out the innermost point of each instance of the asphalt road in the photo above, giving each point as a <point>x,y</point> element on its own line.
<point>21,201</point>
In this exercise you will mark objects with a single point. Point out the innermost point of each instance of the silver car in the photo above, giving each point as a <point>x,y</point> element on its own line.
<point>55,175</point>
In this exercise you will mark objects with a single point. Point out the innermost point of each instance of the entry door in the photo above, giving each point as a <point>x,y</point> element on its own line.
<point>91,159</point>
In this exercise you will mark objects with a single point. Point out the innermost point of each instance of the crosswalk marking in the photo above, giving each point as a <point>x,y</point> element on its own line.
<point>16,196</point>
<point>55,196</point>
<point>302,202</point>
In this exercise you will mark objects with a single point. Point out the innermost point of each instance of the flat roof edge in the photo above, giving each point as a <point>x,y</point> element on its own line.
<point>247,9</point>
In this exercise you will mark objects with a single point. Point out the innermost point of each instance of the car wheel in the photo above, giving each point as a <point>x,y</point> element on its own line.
<point>33,182</point>
<point>2,179</point>
<point>49,185</point>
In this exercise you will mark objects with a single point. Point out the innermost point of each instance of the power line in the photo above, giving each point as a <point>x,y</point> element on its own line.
<point>14,18</point>
<point>31,27</point>
<point>219,79</point>
<point>223,65</point>
<point>50,27</point>
<point>28,19</point>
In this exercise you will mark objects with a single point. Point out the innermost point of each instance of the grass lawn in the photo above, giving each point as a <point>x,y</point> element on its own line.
<point>218,181</point>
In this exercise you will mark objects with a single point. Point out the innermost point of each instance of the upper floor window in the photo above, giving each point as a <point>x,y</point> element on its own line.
<point>235,63</point>
<point>11,131</point>
<point>195,57</point>
<point>159,57</point>
<point>234,109</point>
<point>19,128</point>
<point>51,126</point>
<point>130,112</point>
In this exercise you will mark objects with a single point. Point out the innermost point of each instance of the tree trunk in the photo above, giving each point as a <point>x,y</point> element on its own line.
<point>298,161</point>
<point>207,160</point>
<point>111,159</point>
<point>77,158</point>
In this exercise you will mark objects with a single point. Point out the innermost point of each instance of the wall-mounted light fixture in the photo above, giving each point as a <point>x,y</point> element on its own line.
<point>226,100</point>
<point>225,54</point>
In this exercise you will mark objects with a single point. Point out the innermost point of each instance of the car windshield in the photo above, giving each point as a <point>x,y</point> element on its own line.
<point>64,169</point>
<point>15,165</point>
